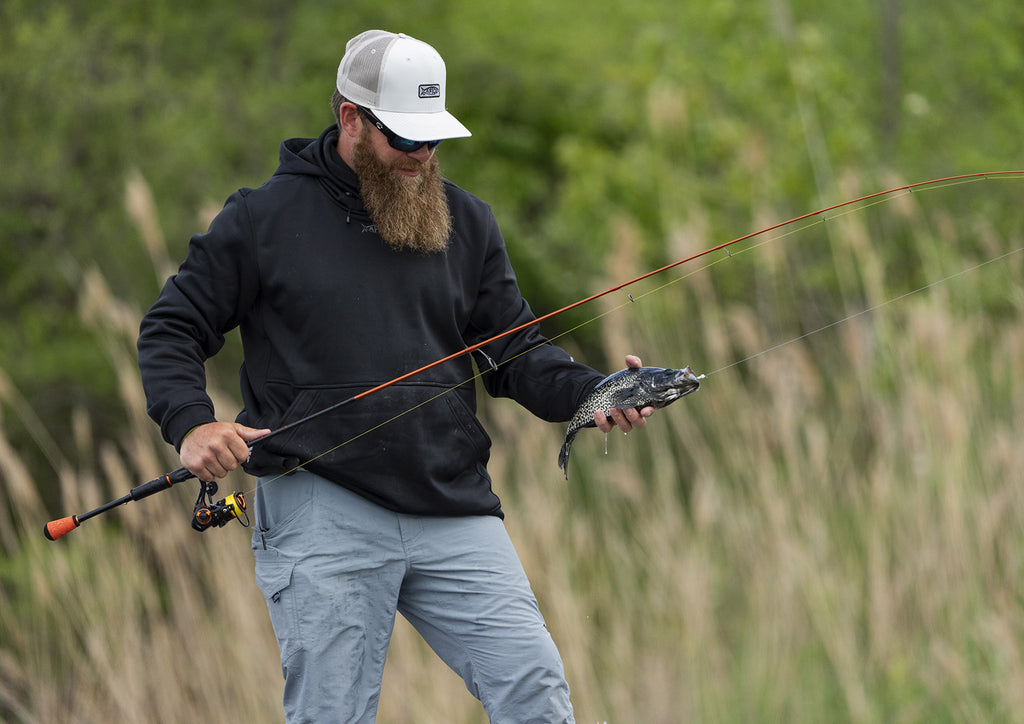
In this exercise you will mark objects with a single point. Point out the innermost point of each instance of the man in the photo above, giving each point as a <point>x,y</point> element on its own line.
<point>354,264</point>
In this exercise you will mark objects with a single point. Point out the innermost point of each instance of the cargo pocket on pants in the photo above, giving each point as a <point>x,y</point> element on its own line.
<point>274,579</point>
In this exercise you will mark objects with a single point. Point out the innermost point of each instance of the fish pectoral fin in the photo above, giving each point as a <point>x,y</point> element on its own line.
<point>626,402</point>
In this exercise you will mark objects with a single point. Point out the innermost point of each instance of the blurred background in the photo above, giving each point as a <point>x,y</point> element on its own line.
<point>832,529</point>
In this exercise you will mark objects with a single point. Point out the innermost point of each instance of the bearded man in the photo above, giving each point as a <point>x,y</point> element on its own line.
<point>354,264</point>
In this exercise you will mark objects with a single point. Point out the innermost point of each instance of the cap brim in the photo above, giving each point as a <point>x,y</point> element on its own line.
<point>423,126</point>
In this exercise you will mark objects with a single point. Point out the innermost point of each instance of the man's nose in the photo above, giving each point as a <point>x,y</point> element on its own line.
<point>422,154</point>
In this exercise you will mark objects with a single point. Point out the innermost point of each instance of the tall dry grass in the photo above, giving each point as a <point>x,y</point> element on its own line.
<point>832,530</point>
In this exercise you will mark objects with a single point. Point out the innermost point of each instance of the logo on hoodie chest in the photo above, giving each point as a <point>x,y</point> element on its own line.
<point>369,228</point>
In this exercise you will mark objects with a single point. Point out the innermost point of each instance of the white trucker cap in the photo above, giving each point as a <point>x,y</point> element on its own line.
<point>402,80</point>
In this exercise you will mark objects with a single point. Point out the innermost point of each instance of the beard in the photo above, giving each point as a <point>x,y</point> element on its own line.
<point>410,212</point>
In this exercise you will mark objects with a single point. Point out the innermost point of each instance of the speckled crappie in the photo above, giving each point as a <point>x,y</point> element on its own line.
<point>636,387</point>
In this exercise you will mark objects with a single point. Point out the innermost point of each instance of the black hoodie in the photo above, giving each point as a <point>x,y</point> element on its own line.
<point>327,310</point>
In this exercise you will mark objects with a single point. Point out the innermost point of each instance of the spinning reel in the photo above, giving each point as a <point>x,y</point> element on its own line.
<point>208,513</point>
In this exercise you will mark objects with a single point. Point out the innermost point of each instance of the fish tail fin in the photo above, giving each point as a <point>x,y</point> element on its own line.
<point>563,455</point>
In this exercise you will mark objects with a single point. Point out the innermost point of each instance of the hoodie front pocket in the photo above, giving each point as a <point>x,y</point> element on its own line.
<point>467,424</point>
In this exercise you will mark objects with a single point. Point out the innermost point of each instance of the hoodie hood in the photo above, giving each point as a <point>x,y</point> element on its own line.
<point>318,157</point>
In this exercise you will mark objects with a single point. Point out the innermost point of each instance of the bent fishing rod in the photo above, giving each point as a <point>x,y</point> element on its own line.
<point>209,513</point>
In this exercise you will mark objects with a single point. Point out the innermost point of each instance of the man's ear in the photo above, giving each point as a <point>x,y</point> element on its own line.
<point>350,120</point>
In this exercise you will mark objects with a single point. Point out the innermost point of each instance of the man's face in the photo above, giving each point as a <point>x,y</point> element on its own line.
<point>403,192</point>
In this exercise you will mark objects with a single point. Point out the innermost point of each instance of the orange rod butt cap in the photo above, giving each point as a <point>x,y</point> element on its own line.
<point>57,528</point>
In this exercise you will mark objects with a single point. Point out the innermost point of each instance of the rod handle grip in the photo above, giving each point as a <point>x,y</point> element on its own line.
<point>161,483</point>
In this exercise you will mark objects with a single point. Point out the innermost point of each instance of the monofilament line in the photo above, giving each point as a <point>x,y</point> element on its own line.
<point>861,313</point>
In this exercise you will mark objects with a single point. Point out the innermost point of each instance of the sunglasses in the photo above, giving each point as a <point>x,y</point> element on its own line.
<point>396,142</point>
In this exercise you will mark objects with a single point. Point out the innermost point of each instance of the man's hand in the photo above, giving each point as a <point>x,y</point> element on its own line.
<point>213,450</point>
<point>626,420</point>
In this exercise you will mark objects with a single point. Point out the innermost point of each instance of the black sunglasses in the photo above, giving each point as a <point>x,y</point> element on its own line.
<point>394,140</point>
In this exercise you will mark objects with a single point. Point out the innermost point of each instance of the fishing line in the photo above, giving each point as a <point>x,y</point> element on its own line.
<point>379,425</point>
<point>870,309</point>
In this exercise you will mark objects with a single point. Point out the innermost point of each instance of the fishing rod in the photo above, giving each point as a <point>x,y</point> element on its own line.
<point>208,513</point>
<point>963,178</point>
<point>205,514</point>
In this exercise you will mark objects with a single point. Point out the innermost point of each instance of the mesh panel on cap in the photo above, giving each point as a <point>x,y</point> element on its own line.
<point>364,67</point>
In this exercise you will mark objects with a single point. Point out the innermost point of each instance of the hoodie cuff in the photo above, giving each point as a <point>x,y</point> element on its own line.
<point>184,421</point>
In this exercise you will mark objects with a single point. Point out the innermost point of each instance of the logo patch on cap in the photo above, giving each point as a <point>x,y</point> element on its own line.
<point>430,90</point>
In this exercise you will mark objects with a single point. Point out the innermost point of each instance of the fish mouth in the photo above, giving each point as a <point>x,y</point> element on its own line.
<point>684,383</point>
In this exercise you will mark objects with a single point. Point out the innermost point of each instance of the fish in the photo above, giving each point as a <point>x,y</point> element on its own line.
<point>636,387</point>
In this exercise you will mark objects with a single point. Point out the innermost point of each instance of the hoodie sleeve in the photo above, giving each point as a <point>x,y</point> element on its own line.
<point>186,325</point>
<point>530,369</point>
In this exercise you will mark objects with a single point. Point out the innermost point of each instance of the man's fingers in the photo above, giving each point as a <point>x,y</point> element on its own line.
<point>213,450</point>
<point>211,463</point>
<point>625,420</point>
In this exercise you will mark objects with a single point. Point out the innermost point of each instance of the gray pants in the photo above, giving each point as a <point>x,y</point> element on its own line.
<point>335,568</point>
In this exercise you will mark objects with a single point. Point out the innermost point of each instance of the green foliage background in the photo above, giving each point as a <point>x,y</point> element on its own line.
<point>647,111</point>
